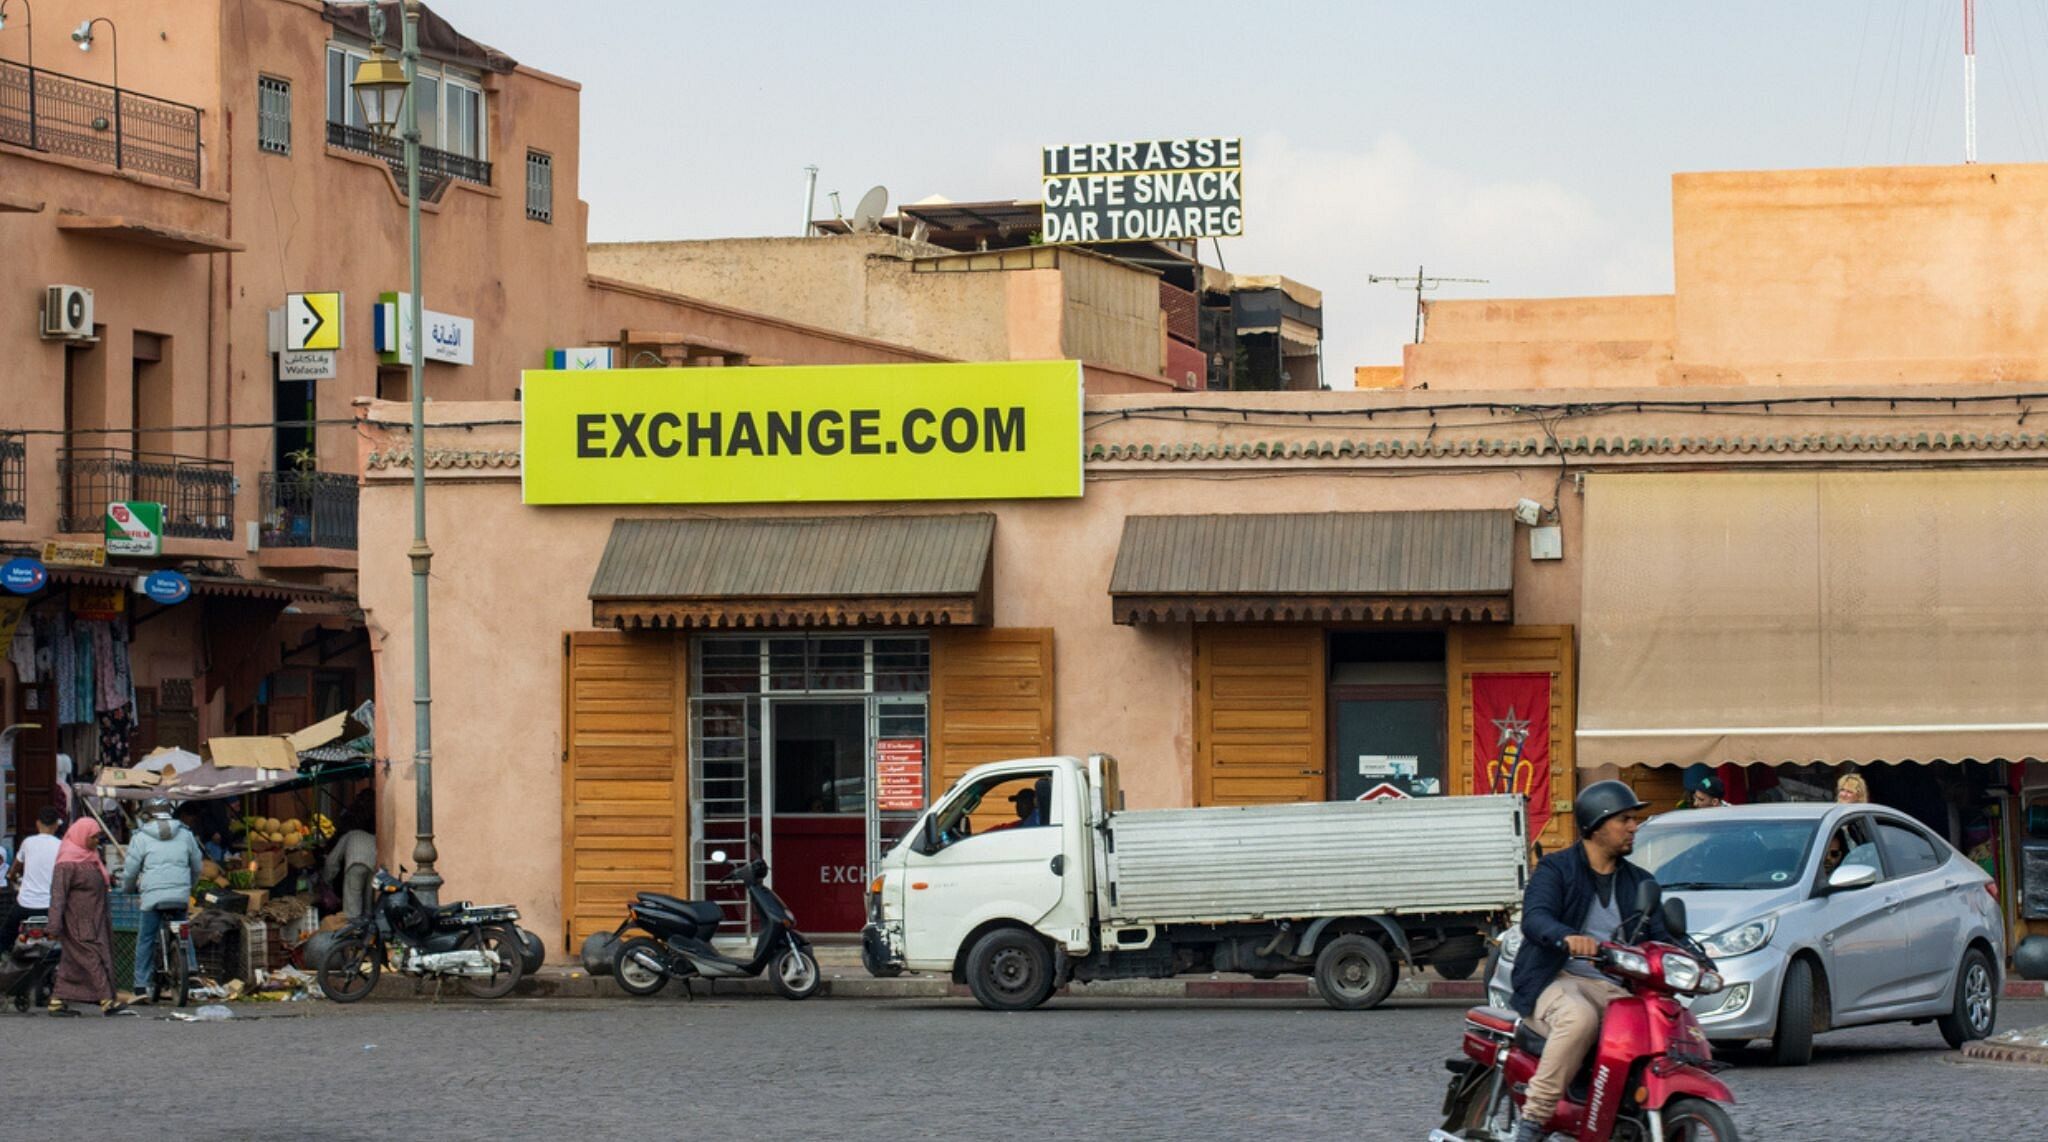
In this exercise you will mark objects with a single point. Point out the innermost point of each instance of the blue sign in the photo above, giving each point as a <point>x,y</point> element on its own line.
<point>23,576</point>
<point>167,587</point>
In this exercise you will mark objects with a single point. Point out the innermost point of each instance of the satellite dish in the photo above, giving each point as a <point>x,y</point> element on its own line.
<point>868,215</point>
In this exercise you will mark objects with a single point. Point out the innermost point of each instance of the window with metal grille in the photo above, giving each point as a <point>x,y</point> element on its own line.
<point>274,115</point>
<point>540,186</point>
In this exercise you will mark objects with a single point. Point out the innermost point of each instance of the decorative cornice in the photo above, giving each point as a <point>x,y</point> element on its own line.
<point>1430,449</point>
<point>443,458</point>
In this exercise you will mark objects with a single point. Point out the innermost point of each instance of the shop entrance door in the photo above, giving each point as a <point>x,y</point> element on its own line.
<point>1387,735</point>
<point>818,822</point>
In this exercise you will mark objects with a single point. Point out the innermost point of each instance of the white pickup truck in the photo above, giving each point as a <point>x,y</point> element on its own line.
<point>1072,887</point>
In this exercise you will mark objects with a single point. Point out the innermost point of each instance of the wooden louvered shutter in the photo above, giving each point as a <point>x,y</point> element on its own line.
<point>1260,693</point>
<point>625,774</point>
<point>991,699</point>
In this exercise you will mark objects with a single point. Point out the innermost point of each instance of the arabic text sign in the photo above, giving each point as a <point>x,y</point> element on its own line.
<point>899,775</point>
<point>814,433</point>
<point>449,338</point>
<point>1143,192</point>
<point>587,357</point>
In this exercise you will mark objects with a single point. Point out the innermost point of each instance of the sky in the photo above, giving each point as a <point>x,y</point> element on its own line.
<point>1531,145</point>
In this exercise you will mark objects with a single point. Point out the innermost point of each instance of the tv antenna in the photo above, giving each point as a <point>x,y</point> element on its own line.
<point>867,216</point>
<point>1421,284</point>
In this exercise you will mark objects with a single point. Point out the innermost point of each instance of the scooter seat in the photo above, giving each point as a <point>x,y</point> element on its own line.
<point>699,912</point>
<point>1528,1039</point>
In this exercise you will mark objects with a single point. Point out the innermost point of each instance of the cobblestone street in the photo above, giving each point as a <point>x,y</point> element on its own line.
<point>734,1068</point>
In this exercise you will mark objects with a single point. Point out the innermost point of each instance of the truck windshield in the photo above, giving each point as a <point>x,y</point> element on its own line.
<point>1701,850</point>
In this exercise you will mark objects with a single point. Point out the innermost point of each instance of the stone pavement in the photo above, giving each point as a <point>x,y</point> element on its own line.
<point>911,1069</point>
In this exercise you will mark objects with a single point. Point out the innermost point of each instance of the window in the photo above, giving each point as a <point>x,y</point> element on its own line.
<point>1907,850</point>
<point>1851,844</point>
<point>540,186</point>
<point>451,102</point>
<point>995,804</point>
<point>342,104</point>
<point>273,115</point>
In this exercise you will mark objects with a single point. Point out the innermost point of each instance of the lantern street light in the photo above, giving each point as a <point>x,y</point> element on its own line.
<point>383,86</point>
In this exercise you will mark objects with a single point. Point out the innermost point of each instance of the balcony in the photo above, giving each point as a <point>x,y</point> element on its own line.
<point>63,115</point>
<point>309,509</point>
<point>198,494</point>
<point>13,476</point>
<point>436,166</point>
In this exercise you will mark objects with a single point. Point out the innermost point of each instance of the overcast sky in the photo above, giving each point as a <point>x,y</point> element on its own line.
<point>1528,144</point>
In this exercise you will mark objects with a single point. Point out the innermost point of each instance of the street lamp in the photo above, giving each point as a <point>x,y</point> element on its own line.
<point>83,38</point>
<point>28,18</point>
<point>382,87</point>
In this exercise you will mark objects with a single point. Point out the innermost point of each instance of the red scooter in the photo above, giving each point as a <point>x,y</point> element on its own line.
<point>1648,1078</point>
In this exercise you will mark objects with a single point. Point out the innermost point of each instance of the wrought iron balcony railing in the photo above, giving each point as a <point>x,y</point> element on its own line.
<point>13,476</point>
<point>436,166</point>
<point>309,509</point>
<point>198,494</point>
<point>47,111</point>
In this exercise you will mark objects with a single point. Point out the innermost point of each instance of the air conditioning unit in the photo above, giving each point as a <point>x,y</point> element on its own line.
<point>67,313</point>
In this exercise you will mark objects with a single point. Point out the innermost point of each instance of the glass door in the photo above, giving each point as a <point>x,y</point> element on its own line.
<point>817,830</point>
<point>1388,741</point>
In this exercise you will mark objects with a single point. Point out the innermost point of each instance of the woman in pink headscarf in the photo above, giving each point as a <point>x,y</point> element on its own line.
<point>78,918</point>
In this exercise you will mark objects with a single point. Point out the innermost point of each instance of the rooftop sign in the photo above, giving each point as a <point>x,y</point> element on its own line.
<point>1143,192</point>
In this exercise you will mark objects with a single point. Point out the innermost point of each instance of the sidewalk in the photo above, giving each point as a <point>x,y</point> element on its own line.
<point>845,978</point>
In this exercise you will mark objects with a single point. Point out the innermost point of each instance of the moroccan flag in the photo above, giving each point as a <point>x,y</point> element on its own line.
<point>1511,740</point>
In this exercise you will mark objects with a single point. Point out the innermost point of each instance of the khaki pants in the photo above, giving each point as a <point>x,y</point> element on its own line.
<point>1568,1014</point>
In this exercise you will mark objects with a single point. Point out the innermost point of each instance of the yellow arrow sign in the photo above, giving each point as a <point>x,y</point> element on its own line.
<point>312,320</point>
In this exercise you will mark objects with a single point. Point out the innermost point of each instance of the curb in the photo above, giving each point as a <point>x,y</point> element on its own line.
<point>1989,1051</point>
<point>569,983</point>
<point>2026,989</point>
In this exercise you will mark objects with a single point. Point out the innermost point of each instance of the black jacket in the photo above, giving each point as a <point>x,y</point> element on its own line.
<point>1560,893</point>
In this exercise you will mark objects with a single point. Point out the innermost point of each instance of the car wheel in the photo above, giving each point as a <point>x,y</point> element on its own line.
<point>1976,1007</point>
<point>1792,1041</point>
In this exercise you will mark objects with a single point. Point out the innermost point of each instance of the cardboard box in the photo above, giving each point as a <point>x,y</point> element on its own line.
<point>128,778</point>
<point>257,899</point>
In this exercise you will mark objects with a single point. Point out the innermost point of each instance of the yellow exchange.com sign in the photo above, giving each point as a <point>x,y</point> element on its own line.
<point>1008,430</point>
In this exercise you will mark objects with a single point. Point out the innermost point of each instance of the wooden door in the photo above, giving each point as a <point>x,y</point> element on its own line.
<point>991,700</point>
<point>1519,650</point>
<point>1259,723</point>
<point>625,774</point>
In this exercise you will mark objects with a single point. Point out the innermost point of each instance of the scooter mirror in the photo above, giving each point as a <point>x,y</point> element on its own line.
<point>718,855</point>
<point>1674,916</point>
<point>1648,897</point>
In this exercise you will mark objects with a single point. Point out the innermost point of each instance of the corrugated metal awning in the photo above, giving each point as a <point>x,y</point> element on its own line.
<point>830,571</point>
<point>1429,566</point>
<point>1806,617</point>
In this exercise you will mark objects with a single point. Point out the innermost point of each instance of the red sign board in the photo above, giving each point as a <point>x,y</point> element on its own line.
<point>899,775</point>
<point>1511,739</point>
<point>1384,791</point>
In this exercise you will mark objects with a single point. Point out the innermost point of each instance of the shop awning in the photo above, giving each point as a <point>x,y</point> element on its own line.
<point>1814,617</point>
<point>1430,566</point>
<point>833,571</point>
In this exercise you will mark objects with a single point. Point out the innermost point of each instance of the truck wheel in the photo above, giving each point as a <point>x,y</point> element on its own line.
<point>1354,973</point>
<point>1010,970</point>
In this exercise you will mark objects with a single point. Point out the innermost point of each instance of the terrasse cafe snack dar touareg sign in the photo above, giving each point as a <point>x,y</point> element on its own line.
<point>803,434</point>
<point>1143,192</point>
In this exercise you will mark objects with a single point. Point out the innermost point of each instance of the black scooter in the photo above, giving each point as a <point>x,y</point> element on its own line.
<point>679,942</point>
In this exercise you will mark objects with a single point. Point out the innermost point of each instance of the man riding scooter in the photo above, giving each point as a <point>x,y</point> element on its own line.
<point>1577,898</point>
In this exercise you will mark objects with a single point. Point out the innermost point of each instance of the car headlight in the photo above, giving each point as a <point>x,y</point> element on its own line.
<point>1741,939</point>
<point>1681,973</point>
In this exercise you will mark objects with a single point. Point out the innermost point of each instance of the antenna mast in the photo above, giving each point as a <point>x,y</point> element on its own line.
<point>1419,284</point>
<point>1969,81</point>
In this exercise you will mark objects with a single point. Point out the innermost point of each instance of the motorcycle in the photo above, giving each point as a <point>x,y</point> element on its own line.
<point>678,941</point>
<point>1648,1078</point>
<point>480,946</point>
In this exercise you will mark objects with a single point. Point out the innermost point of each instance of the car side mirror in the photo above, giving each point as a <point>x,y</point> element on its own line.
<point>1674,916</point>
<point>927,841</point>
<point>1851,876</point>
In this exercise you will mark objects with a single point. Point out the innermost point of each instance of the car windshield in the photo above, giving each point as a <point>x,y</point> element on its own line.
<point>1700,850</point>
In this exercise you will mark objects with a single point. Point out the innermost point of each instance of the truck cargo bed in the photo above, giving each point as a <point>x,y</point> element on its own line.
<point>1336,858</point>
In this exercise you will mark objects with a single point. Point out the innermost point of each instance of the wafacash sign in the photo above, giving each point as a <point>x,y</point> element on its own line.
<point>999,430</point>
<point>1143,192</point>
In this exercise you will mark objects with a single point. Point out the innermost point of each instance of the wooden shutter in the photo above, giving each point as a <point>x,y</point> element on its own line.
<point>1519,650</point>
<point>991,699</point>
<point>625,774</point>
<point>1259,701</point>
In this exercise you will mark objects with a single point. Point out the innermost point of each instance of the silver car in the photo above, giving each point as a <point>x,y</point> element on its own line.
<point>1823,915</point>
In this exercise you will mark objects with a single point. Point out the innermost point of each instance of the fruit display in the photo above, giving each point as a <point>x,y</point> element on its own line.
<point>283,832</point>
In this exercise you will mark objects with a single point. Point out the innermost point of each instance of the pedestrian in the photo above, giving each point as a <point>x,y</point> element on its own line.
<point>163,864</point>
<point>1852,789</point>
<point>78,920</point>
<point>352,861</point>
<point>33,866</point>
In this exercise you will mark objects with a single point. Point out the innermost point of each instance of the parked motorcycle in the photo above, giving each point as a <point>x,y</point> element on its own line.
<point>1647,1078</point>
<point>678,941</point>
<point>479,945</point>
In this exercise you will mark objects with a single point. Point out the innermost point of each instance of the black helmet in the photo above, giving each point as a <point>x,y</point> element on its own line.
<point>156,807</point>
<point>1601,800</point>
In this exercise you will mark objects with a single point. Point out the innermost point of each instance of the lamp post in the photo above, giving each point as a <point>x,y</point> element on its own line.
<point>29,18</point>
<point>83,38</point>
<point>383,86</point>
